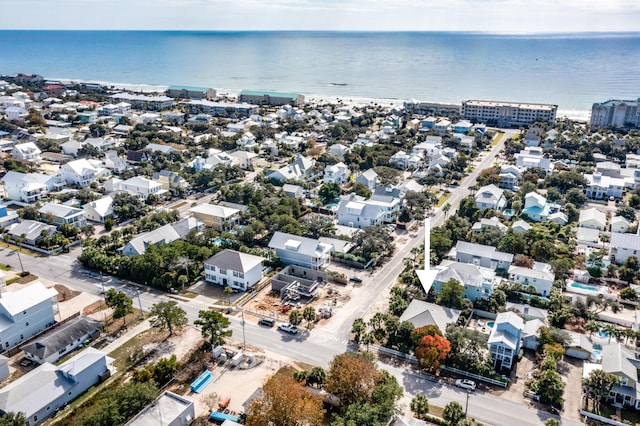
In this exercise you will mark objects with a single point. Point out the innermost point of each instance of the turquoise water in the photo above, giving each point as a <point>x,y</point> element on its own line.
<point>490,324</point>
<point>603,334</point>
<point>583,287</point>
<point>571,70</point>
<point>596,353</point>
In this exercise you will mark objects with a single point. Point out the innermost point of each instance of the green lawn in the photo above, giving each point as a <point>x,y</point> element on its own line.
<point>443,198</point>
<point>497,139</point>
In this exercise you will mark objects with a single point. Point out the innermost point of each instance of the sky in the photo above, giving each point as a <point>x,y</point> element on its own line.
<point>495,16</point>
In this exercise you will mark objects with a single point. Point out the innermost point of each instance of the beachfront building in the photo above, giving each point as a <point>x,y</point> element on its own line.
<point>144,102</point>
<point>240,271</point>
<point>222,109</point>
<point>616,113</point>
<point>508,114</point>
<point>270,98</point>
<point>191,92</point>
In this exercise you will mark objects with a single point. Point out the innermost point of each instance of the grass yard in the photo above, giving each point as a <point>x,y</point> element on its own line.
<point>443,199</point>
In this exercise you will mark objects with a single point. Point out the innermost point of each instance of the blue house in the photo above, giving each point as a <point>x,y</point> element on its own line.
<point>504,340</point>
<point>478,281</point>
<point>39,393</point>
<point>462,127</point>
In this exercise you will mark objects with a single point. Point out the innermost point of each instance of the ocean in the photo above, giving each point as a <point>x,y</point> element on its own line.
<point>570,70</point>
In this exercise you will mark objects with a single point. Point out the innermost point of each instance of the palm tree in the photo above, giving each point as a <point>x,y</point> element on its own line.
<point>610,329</point>
<point>446,209</point>
<point>183,262</point>
<point>592,327</point>
<point>228,291</point>
<point>357,329</point>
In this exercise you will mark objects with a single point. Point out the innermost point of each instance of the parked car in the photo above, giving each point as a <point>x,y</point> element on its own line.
<point>466,384</point>
<point>288,328</point>
<point>355,279</point>
<point>268,322</point>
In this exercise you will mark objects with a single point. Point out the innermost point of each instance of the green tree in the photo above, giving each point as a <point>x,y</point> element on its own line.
<point>214,326</point>
<point>228,291</point>
<point>13,419</point>
<point>108,224</point>
<point>453,413</point>
<point>598,385</point>
<point>295,317</point>
<point>165,369</point>
<point>552,422</point>
<point>628,293</point>
<point>121,303</point>
<point>329,192</point>
<point>420,406</point>
<point>628,213</point>
<point>358,328</point>
<point>451,294</point>
<point>309,315</point>
<point>168,315</point>
<point>576,197</point>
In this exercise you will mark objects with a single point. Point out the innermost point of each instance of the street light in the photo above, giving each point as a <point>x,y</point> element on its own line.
<point>139,302</point>
<point>466,407</point>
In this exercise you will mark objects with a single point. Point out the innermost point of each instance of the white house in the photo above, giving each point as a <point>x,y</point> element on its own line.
<point>338,150</point>
<point>356,212</point>
<point>216,216</point>
<point>292,191</point>
<point>490,197</point>
<point>16,113</point>
<point>81,172</point>
<point>240,271</point>
<point>113,161</point>
<point>536,207</point>
<point>369,179</point>
<point>481,255</point>
<point>168,409</point>
<point>600,187</point>
<point>26,313</point>
<point>621,362</point>
<point>336,173</point>
<point>619,224</point>
<point>140,186</point>
<point>540,276</point>
<point>29,187</point>
<point>593,218</point>
<point>504,340</point>
<point>27,151</point>
<point>442,127</point>
<point>532,157</point>
<point>138,245</point>
<point>99,210</point>
<point>299,169</point>
<point>302,251</point>
<point>623,246</point>
<point>48,388</point>
<point>520,226</point>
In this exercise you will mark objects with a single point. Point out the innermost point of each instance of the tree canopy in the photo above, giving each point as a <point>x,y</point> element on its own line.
<point>213,326</point>
<point>168,315</point>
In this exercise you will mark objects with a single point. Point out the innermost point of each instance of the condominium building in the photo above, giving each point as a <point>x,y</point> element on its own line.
<point>508,114</point>
<point>616,113</point>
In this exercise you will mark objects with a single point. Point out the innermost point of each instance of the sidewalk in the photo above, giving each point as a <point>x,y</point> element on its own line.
<point>144,325</point>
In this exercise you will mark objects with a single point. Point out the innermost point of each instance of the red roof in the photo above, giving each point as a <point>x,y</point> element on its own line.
<point>53,87</point>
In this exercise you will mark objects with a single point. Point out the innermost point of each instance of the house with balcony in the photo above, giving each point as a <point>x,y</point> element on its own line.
<point>217,217</point>
<point>462,126</point>
<point>81,172</point>
<point>99,210</point>
<point>40,393</point>
<point>601,187</point>
<point>27,151</point>
<point>26,313</point>
<point>504,340</point>
<point>540,276</point>
<point>138,186</point>
<point>621,362</point>
<point>623,246</point>
<point>296,250</point>
<point>240,271</point>
<point>357,212</point>
<point>478,281</point>
<point>442,127</point>
<point>112,161</point>
<point>336,173</point>
<point>301,168</point>
<point>63,214</point>
<point>532,157</point>
<point>490,197</point>
<point>170,181</point>
<point>491,223</point>
<point>29,187</point>
<point>480,255</point>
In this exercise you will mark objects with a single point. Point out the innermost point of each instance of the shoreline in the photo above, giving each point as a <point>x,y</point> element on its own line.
<point>572,114</point>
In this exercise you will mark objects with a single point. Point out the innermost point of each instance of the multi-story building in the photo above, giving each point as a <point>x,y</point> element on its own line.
<point>302,251</point>
<point>191,92</point>
<point>144,102</point>
<point>616,113</point>
<point>240,271</point>
<point>504,340</point>
<point>270,98</point>
<point>508,114</point>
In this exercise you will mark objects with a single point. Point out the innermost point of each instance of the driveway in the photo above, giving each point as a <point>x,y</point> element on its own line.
<point>571,370</point>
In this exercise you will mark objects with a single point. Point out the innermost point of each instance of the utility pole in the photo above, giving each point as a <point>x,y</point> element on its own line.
<point>139,302</point>
<point>466,407</point>
<point>104,293</point>
<point>20,259</point>
<point>244,340</point>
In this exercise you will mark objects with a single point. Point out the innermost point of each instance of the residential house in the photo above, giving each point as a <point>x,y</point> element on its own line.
<point>59,341</point>
<point>559,217</point>
<point>16,113</point>
<point>484,224</point>
<point>99,210</point>
<point>478,281</point>
<point>465,142</point>
<point>71,147</point>
<point>186,225</point>
<point>621,362</point>
<point>530,333</point>
<point>619,224</point>
<point>504,340</point>
<point>336,173</point>
<point>216,216</point>
<point>600,187</point>
<point>135,157</point>
<point>623,246</point>
<point>579,346</point>
<point>168,409</point>
<point>292,191</point>
<point>532,137</point>
<point>520,226</point>
<point>420,314</point>
<point>532,157</point>
<point>138,245</point>
<point>369,179</point>
<point>481,255</point>
<point>338,150</point>
<point>295,250</point>
<point>43,391</point>
<point>462,126</point>
<point>244,159</point>
<point>170,181</point>
<point>593,218</point>
<point>139,186</point>
<point>299,169</point>
<point>26,313</point>
<point>27,151</point>
<point>81,172</point>
<point>540,276</point>
<point>490,197</point>
<point>357,212</point>
<point>114,162</point>
<point>536,207</point>
<point>442,127</point>
<point>29,187</point>
<point>62,214</point>
<point>31,231</point>
<point>609,168</point>
<point>240,271</point>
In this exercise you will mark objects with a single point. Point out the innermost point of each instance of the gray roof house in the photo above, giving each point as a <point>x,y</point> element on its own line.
<point>63,214</point>
<point>580,346</point>
<point>235,269</point>
<point>504,340</point>
<point>302,251</point>
<point>618,360</point>
<point>421,313</point>
<point>31,230</point>
<point>168,409</point>
<point>490,197</point>
<point>623,246</point>
<point>42,391</point>
<point>59,341</point>
<point>138,245</point>
<point>369,178</point>
<point>481,255</point>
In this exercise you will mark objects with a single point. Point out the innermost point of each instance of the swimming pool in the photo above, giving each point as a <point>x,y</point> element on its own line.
<point>490,324</point>
<point>603,334</point>
<point>589,290</point>
<point>596,354</point>
<point>583,286</point>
